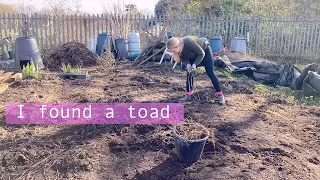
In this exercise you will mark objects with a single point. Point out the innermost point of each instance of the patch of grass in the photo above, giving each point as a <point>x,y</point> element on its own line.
<point>77,69</point>
<point>300,66</point>
<point>30,71</point>
<point>201,70</point>
<point>278,93</point>
<point>245,80</point>
<point>295,96</point>
<point>228,75</point>
<point>68,68</point>
<point>312,100</point>
<point>260,88</point>
<point>272,93</point>
<point>93,76</point>
<point>225,73</point>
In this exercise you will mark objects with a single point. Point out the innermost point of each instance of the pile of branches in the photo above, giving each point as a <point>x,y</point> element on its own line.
<point>154,42</point>
<point>73,53</point>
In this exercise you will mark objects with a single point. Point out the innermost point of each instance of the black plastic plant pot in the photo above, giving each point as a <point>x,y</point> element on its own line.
<point>189,151</point>
<point>73,75</point>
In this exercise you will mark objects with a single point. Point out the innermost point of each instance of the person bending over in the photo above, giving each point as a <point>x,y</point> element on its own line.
<point>194,52</point>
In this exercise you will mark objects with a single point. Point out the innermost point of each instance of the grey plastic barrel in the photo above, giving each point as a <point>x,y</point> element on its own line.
<point>26,51</point>
<point>238,44</point>
<point>122,48</point>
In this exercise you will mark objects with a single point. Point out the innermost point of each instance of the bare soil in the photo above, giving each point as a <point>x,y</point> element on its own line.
<point>252,137</point>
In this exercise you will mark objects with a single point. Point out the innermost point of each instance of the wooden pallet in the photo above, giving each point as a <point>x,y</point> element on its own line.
<point>7,78</point>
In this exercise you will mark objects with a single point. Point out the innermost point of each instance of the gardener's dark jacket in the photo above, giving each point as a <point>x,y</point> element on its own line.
<point>193,50</point>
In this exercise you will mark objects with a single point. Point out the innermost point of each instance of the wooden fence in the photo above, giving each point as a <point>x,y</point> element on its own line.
<point>267,37</point>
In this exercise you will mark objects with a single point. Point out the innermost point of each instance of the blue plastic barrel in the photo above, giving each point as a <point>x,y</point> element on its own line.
<point>103,42</point>
<point>216,44</point>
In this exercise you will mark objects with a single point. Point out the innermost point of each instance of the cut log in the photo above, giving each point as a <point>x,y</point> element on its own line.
<point>154,37</point>
<point>150,48</point>
<point>6,76</point>
<point>3,87</point>
<point>147,50</point>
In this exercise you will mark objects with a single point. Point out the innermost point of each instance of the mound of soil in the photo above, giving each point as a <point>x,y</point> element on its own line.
<point>72,52</point>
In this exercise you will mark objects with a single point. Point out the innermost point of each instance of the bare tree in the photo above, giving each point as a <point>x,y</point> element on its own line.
<point>146,11</point>
<point>119,17</point>
<point>5,8</point>
<point>132,8</point>
<point>77,6</point>
<point>59,7</point>
<point>171,8</point>
<point>23,7</point>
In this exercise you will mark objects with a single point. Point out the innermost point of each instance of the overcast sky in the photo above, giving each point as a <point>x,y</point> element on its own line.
<point>92,6</point>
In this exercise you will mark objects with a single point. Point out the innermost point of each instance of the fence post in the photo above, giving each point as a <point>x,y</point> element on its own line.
<point>271,36</point>
<point>257,19</point>
<point>186,24</point>
<point>54,31</point>
<point>199,28</point>
<point>24,28</point>
<point>76,25</point>
<point>36,23</point>
<point>1,31</point>
<point>41,31</point>
<point>318,42</point>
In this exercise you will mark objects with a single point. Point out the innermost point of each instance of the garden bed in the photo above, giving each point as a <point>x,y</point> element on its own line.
<point>258,135</point>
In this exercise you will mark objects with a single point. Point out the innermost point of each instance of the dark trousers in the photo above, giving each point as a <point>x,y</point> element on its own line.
<point>207,62</point>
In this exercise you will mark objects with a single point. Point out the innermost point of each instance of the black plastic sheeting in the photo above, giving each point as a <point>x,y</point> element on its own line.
<point>268,73</point>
